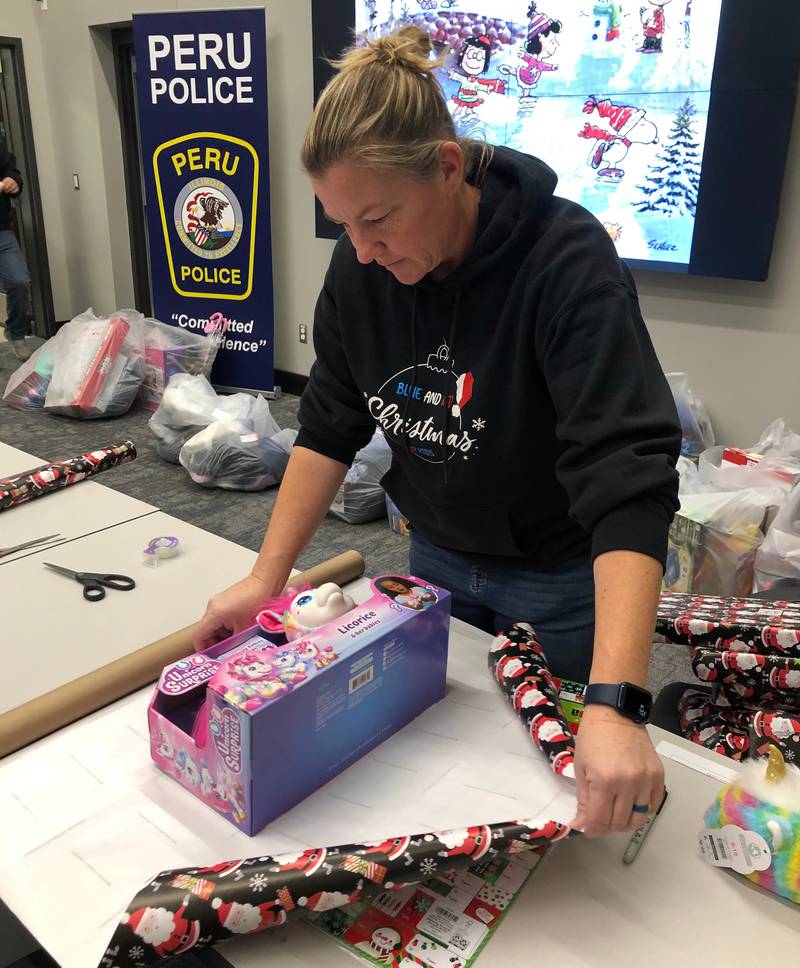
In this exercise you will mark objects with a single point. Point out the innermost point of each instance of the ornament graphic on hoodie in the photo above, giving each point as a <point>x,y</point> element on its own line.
<point>422,407</point>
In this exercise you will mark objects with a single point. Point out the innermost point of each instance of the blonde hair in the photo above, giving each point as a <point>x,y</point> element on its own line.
<point>384,110</point>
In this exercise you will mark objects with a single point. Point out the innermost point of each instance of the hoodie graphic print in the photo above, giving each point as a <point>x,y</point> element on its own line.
<point>528,416</point>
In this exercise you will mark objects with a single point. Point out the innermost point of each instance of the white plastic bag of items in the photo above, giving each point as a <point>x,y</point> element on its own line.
<point>231,454</point>
<point>698,434</point>
<point>169,350</point>
<point>779,555</point>
<point>190,404</point>
<point>361,497</point>
<point>99,366</point>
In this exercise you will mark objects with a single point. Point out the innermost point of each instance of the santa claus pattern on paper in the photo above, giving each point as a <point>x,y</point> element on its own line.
<point>730,624</point>
<point>519,665</point>
<point>256,894</point>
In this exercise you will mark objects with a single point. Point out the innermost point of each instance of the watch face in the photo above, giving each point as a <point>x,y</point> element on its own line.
<point>635,702</point>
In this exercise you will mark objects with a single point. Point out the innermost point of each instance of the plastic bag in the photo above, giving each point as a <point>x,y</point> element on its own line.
<point>779,554</point>
<point>689,481</point>
<point>99,366</point>
<point>698,434</point>
<point>714,538</point>
<point>27,386</point>
<point>169,350</point>
<point>190,404</point>
<point>773,470</point>
<point>361,497</point>
<point>231,455</point>
<point>776,440</point>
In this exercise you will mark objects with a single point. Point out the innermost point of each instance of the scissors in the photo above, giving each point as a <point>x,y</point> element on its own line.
<point>47,539</point>
<point>94,584</point>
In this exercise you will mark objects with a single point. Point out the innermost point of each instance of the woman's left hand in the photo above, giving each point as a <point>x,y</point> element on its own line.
<point>615,768</point>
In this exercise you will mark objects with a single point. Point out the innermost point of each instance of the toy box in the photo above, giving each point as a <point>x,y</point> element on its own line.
<point>256,723</point>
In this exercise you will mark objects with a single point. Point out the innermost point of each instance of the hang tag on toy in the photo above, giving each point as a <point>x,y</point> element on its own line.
<point>742,850</point>
<point>167,546</point>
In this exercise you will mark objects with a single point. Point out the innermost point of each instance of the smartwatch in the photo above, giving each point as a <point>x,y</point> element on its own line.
<point>631,701</point>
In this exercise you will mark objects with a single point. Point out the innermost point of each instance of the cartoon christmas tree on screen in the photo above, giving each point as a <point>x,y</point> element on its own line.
<point>671,187</point>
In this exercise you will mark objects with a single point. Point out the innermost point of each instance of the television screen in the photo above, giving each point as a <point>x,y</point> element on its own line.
<point>668,119</point>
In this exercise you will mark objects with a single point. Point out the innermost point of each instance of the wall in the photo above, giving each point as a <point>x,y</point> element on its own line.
<point>740,342</point>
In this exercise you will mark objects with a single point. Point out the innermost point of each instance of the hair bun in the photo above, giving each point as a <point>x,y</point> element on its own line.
<point>410,48</point>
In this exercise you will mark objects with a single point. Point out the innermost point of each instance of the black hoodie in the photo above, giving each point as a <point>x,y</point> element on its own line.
<point>528,416</point>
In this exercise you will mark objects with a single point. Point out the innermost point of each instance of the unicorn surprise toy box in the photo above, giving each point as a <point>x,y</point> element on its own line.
<point>256,723</point>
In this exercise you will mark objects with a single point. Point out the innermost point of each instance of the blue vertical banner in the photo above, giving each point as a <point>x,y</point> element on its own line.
<point>202,87</point>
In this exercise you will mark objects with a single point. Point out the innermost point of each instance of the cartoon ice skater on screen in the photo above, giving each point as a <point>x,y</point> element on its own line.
<point>654,23</point>
<point>613,128</point>
<point>406,592</point>
<point>473,61</point>
<point>535,56</point>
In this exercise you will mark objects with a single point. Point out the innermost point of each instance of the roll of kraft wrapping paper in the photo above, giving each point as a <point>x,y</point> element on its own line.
<point>519,665</point>
<point>184,909</point>
<point>82,696</point>
<point>52,477</point>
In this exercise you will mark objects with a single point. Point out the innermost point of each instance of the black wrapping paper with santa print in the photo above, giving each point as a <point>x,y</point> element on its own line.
<point>730,624</point>
<point>182,910</point>
<point>749,679</point>
<point>724,730</point>
<point>43,480</point>
<point>518,663</point>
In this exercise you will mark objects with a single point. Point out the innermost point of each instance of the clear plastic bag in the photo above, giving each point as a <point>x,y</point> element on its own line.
<point>27,386</point>
<point>190,404</point>
<point>231,455</point>
<point>99,366</point>
<point>361,497</point>
<point>778,557</point>
<point>773,470</point>
<point>170,350</point>
<point>714,538</point>
<point>698,434</point>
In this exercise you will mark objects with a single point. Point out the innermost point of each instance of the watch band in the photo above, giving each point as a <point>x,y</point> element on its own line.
<point>606,694</point>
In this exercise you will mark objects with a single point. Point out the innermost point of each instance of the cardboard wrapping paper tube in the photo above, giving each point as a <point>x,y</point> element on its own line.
<point>58,708</point>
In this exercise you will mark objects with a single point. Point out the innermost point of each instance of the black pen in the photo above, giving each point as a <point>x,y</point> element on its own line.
<point>637,839</point>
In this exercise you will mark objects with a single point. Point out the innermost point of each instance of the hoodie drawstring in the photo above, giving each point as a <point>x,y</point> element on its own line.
<point>413,387</point>
<point>447,451</point>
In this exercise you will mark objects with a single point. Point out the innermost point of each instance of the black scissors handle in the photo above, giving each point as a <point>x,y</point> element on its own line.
<point>94,584</point>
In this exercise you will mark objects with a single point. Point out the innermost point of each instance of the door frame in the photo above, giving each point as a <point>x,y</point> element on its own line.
<point>32,183</point>
<point>122,42</point>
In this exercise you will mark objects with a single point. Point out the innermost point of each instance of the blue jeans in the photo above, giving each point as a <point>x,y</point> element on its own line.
<point>14,279</point>
<point>559,604</point>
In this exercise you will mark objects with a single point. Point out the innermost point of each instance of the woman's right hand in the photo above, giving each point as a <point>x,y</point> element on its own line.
<point>231,611</point>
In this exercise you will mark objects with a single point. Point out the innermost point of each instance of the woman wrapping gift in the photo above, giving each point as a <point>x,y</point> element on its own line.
<point>489,328</point>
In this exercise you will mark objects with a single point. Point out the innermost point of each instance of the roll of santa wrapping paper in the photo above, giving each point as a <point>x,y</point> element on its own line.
<point>52,477</point>
<point>188,909</point>
<point>750,678</point>
<point>736,624</point>
<point>84,695</point>
<point>519,665</point>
